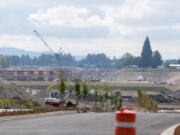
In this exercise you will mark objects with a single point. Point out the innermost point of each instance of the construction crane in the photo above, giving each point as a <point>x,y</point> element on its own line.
<point>56,54</point>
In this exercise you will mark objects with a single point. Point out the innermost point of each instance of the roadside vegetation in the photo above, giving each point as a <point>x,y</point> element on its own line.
<point>103,97</point>
<point>146,103</point>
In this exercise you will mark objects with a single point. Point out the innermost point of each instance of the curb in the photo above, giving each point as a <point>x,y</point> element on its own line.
<point>28,116</point>
<point>170,131</point>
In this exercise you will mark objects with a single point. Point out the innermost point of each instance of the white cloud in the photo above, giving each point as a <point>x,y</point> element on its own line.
<point>130,9</point>
<point>67,16</point>
<point>73,17</point>
<point>113,27</point>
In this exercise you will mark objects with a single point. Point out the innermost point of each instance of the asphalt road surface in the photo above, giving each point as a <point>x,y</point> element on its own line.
<point>86,124</point>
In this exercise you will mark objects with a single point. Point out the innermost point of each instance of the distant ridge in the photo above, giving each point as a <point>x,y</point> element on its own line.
<point>9,51</point>
<point>14,51</point>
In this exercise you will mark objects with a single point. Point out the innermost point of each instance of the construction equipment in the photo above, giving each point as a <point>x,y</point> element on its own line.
<point>55,99</point>
<point>56,54</point>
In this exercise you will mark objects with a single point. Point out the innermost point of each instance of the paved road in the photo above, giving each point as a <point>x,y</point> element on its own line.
<point>86,124</point>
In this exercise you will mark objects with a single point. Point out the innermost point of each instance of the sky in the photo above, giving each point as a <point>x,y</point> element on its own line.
<point>113,27</point>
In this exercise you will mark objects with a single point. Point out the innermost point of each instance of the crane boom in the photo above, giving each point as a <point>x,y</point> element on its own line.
<point>45,43</point>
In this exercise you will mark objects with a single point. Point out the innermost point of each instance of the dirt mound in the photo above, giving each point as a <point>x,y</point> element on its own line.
<point>132,75</point>
<point>10,91</point>
<point>12,96</point>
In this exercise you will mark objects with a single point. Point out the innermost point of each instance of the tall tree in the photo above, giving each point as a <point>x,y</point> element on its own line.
<point>115,102</point>
<point>85,93</point>
<point>120,101</point>
<point>95,99</point>
<point>139,98</point>
<point>111,99</point>
<point>146,55</point>
<point>4,61</point>
<point>77,88</point>
<point>127,60</point>
<point>106,99</point>
<point>156,59</point>
<point>101,99</point>
<point>62,87</point>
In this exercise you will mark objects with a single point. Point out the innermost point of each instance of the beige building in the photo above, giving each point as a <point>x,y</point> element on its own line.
<point>28,74</point>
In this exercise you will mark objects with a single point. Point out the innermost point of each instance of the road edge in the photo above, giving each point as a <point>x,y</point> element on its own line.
<point>170,130</point>
<point>28,116</point>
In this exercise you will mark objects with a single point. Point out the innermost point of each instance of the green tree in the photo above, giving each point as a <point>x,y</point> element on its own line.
<point>61,86</point>
<point>95,98</point>
<point>120,101</point>
<point>85,93</point>
<point>101,99</point>
<point>139,98</point>
<point>111,99</point>
<point>146,55</point>
<point>127,60</point>
<point>77,88</point>
<point>137,60</point>
<point>28,104</point>
<point>150,105</point>
<point>155,106</point>
<point>115,102</point>
<point>4,61</point>
<point>143,101</point>
<point>156,59</point>
<point>106,99</point>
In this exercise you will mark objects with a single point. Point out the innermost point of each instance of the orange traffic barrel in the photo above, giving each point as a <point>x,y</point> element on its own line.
<point>125,122</point>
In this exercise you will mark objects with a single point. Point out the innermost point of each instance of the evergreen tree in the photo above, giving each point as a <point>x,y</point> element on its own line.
<point>156,59</point>
<point>4,61</point>
<point>77,88</point>
<point>145,102</point>
<point>111,99</point>
<point>106,99</point>
<point>120,100</point>
<point>139,98</point>
<point>127,60</point>
<point>62,88</point>
<point>85,93</point>
<point>95,98</point>
<point>101,99</point>
<point>146,55</point>
<point>115,102</point>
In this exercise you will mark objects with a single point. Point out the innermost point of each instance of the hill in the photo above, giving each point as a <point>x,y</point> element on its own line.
<point>9,51</point>
<point>14,51</point>
<point>12,96</point>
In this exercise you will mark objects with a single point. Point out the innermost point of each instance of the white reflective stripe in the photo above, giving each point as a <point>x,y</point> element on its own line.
<point>125,124</point>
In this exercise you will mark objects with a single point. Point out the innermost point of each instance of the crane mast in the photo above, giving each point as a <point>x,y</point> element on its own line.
<point>51,50</point>
<point>45,43</point>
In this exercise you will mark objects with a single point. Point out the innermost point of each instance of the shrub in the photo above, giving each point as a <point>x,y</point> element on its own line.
<point>28,104</point>
<point>4,102</point>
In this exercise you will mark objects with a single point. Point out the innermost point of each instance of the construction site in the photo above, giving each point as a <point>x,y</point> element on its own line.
<point>83,67</point>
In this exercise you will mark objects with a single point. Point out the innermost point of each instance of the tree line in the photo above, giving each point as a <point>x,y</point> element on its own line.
<point>4,61</point>
<point>148,59</point>
<point>49,60</point>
